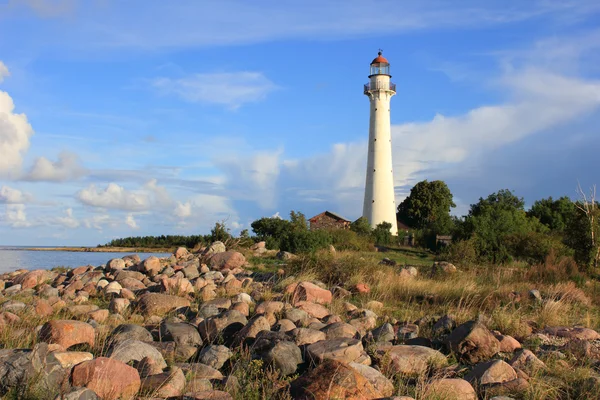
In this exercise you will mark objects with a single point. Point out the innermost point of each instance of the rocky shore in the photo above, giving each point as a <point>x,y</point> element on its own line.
<point>206,326</point>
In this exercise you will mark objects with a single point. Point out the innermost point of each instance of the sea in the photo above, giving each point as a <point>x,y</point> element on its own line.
<point>18,257</point>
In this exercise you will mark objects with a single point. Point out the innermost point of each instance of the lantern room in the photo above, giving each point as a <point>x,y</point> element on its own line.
<point>380,66</point>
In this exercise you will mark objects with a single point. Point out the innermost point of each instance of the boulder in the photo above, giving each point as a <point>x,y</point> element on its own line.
<point>473,342</point>
<point>66,359</point>
<point>229,322</point>
<point>276,350</point>
<point>181,252</point>
<point>527,361</point>
<point>118,305</point>
<point>410,360</point>
<point>313,309</point>
<point>31,279</point>
<point>181,333</point>
<point>166,384</point>
<point>307,291</point>
<point>151,266</point>
<point>78,393</point>
<point>491,372</point>
<point>129,331</point>
<point>252,328</point>
<point>214,248</point>
<point>443,267</point>
<point>376,378</point>
<point>450,389</point>
<point>214,356</point>
<point>115,264</point>
<point>227,260</point>
<point>110,379</point>
<point>341,349</point>
<point>303,336</point>
<point>572,333</point>
<point>67,333</point>
<point>508,344</point>
<point>134,350</point>
<point>333,380</point>
<point>340,329</point>
<point>160,304</point>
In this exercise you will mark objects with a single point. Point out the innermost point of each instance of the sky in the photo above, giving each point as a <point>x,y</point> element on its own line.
<point>150,117</point>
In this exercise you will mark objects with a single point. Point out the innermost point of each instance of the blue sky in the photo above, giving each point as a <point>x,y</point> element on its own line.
<point>153,117</point>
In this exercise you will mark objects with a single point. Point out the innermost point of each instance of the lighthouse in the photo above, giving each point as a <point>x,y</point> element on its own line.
<point>380,202</point>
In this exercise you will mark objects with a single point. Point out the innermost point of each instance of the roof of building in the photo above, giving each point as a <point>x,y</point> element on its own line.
<point>331,214</point>
<point>380,59</point>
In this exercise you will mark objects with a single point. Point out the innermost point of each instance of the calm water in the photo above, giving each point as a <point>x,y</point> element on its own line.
<point>12,258</point>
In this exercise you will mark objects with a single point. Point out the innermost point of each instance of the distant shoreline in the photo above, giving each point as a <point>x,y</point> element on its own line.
<point>99,249</point>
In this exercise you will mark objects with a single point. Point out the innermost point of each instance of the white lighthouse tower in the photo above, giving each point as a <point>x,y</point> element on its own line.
<point>380,202</point>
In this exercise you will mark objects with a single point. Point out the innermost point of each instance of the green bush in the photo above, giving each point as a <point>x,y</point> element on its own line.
<point>382,235</point>
<point>343,239</point>
<point>304,241</point>
<point>462,252</point>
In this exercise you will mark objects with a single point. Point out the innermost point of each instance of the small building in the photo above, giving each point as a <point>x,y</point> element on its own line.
<point>329,220</point>
<point>443,240</point>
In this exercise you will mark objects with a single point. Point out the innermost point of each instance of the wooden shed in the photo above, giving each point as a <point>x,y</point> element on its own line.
<point>329,220</point>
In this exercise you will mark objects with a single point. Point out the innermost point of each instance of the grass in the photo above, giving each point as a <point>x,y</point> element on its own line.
<point>496,294</point>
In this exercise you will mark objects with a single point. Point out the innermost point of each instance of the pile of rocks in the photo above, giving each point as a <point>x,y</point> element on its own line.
<point>197,311</point>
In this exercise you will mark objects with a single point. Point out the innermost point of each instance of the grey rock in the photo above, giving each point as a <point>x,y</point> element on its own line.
<point>134,350</point>
<point>384,333</point>
<point>214,356</point>
<point>79,393</point>
<point>181,333</point>
<point>130,331</point>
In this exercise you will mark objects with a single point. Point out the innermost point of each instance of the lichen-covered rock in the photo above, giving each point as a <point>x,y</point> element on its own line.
<point>166,384</point>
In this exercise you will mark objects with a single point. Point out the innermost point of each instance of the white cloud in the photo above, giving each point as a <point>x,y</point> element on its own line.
<point>9,195</point>
<point>68,221</point>
<point>4,72</point>
<point>67,167</point>
<point>252,177</point>
<point>15,216</point>
<point>15,132</point>
<point>114,197</point>
<point>131,222</point>
<point>231,89</point>
<point>183,210</point>
<point>97,222</point>
<point>160,194</point>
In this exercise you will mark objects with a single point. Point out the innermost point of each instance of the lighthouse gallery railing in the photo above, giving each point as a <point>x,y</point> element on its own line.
<point>380,86</point>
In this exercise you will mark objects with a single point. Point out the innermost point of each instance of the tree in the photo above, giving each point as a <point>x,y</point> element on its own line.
<point>382,234</point>
<point>271,230</point>
<point>555,214</point>
<point>492,220</point>
<point>220,232</point>
<point>298,221</point>
<point>361,226</point>
<point>428,203</point>
<point>583,232</point>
